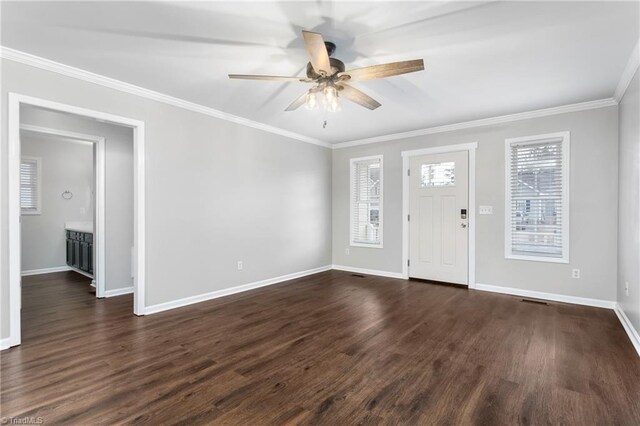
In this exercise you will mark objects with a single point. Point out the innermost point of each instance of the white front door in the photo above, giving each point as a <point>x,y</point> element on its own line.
<point>438,221</point>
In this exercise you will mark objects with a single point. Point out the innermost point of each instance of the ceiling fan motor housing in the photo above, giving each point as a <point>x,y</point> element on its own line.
<point>336,66</point>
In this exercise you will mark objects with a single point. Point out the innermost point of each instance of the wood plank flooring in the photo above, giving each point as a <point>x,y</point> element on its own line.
<point>331,348</point>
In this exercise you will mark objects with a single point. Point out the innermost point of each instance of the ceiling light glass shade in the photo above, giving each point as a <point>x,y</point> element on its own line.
<point>330,93</point>
<point>312,101</point>
<point>333,105</point>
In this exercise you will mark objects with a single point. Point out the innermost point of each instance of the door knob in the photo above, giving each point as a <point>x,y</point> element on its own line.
<point>463,225</point>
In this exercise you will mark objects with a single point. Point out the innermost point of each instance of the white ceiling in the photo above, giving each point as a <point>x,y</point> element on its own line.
<point>482,59</point>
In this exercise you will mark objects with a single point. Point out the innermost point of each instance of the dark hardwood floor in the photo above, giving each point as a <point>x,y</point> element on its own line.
<point>330,348</point>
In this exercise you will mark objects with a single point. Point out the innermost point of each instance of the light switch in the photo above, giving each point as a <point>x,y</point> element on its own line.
<point>486,209</point>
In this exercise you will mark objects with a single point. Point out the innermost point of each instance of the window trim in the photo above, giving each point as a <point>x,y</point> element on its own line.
<point>566,214</point>
<point>352,163</point>
<point>38,161</point>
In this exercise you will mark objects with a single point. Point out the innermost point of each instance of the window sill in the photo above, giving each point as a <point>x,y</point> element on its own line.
<point>375,246</point>
<point>536,258</point>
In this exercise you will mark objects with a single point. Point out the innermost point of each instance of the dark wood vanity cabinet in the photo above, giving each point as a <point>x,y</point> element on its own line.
<point>80,250</point>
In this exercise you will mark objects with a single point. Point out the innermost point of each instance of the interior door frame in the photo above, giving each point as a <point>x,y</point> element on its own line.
<point>100,195</point>
<point>138,266</point>
<point>406,156</point>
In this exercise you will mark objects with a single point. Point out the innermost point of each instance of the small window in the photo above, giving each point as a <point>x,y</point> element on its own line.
<point>366,201</point>
<point>30,185</point>
<point>537,198</point>
<point>438,174</point>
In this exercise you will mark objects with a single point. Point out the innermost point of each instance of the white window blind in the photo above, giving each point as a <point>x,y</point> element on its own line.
<point>30,185</point>
<point>538,198</point>
<point>366,201</point>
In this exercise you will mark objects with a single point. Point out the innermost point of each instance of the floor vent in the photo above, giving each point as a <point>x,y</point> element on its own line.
<point>357,275</point>
<point>537,302</point>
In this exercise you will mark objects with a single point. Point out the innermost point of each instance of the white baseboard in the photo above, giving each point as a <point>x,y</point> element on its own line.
<point>45,270</point>
<point>81,272</point>
<point>368,271</point>
<point>228,291</point>
<point>633,334</point>
<point>118,292</point>
<point>598,303</point>
<point>5,343</point>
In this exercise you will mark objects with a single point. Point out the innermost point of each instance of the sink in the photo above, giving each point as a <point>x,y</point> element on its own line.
<point>79,226</point>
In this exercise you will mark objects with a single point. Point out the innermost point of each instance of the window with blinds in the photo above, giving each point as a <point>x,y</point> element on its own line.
<point>30,185</point>
<point>537,225</point>
<point>366,201</point>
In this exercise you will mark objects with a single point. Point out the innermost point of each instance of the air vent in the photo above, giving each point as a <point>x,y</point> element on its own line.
<point>357,275</point>
<point>537,302</point>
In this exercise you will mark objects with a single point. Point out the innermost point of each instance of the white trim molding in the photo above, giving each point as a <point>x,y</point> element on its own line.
<point>45,271</point>
<point>5,344</point>
<point>628,73</point>
<point>406,155</point>
<point>86,274</point>
<point>160,307</point>
<point>375,272</point>
<point>575,300</point>
<point>118,291</point>
<point>80,74</point>
<point>601,103</point>
<point>628,327</point>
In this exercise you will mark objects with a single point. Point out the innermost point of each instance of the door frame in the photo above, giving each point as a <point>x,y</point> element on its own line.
<point>138,265</point>
<point>406,156</point>
<point>100,195</point>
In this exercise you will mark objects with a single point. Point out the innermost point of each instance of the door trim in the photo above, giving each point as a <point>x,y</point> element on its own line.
<point>100,202</point>
<point>15,100</point>
<point>406,155</point>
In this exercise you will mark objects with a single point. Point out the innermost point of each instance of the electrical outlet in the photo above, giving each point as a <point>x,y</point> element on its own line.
<point>83,210</point>
<point>347,251</point>
<point>240,265</point>
<point>575,273</point>
<point>486,209</point>
<point>626,288</point>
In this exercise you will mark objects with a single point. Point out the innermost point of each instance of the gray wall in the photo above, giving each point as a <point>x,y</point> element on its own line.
<point>594,201</point>
<point>66,165</point>
<point>629,208</point>
<point>217,192</point>
<point>118,185</point>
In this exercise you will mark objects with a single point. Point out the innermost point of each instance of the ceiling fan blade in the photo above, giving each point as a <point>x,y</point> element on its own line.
<point>298,102</point>
<point>269,77</point>
<point>317,51</point>
<point>357,96</point>
<point>384,70</point>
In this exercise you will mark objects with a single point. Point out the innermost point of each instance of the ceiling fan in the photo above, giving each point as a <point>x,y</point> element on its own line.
<point>330,79</point>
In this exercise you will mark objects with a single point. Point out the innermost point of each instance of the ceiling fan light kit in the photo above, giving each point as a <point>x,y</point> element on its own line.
<point>330,77</point>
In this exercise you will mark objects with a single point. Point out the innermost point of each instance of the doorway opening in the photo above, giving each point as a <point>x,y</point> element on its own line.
<point>438,203</point>
<point>63,226</point>
<point>85,251</point>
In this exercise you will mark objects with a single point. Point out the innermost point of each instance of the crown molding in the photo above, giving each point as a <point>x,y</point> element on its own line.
<point>69,71</point>
<point>601,103</point>
<point>628,73</point>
